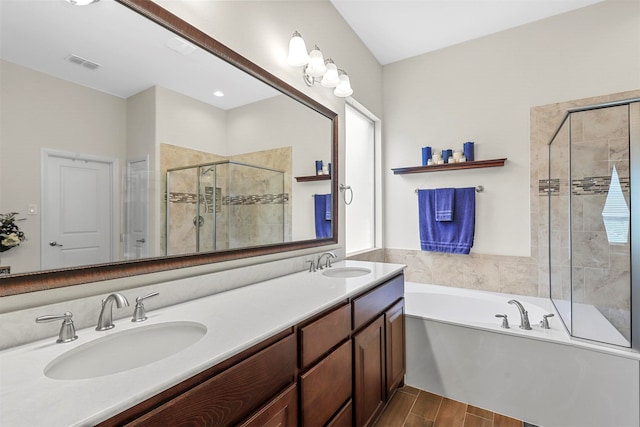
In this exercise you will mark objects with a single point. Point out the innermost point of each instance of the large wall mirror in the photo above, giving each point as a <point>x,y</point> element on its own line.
<point>121,157</point>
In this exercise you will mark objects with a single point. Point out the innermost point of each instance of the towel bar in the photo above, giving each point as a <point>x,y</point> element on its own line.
<point>479,189</point>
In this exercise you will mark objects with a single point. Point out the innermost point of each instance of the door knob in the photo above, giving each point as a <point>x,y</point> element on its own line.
<point>141,240</point>
<point>54,243</point>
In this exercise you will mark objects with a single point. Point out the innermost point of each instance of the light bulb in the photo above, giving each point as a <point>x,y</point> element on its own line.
<point>344,87</point>
<point>331,77</point>
<point>298,55</point>
<point>316,67</point>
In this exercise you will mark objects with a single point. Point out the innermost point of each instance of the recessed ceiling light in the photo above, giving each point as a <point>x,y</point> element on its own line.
<point>82,2</point>
<point>218,93</point>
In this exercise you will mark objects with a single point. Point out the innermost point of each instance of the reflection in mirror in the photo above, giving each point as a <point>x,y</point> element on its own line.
<point>102,111</point>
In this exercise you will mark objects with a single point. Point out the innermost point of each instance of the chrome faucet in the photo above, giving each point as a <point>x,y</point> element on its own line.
<point>67,330</point>
<point>524,315</point>
<point>312,265</point>
<point>105,321</point>
<point>328,262</point>
<point>139,312</point>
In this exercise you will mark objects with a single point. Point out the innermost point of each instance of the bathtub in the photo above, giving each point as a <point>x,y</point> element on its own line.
<point>457,348</point>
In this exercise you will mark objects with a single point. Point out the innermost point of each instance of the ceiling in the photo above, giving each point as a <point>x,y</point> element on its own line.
<point>394,30</point>
<point>131,53</point>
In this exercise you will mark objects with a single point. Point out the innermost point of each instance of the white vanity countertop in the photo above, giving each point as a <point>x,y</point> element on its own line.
<point>235,321</point>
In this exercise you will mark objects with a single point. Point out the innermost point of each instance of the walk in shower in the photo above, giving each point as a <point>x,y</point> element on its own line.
<point>224,205</point>
<point>594,202</point>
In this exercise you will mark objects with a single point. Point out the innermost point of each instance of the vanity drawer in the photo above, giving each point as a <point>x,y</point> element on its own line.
<point>369,305</point>
<point>233,394</point>
<point>326,387</point>
<point>320,336</point>
<point>282,411</point>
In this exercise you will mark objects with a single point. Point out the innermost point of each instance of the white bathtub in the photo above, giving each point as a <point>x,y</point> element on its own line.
<point>456,348</point>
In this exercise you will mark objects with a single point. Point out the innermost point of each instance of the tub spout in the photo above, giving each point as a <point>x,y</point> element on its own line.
<point>524,315</point>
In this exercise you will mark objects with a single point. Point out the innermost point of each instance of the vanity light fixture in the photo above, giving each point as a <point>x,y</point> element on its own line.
<point>82,2</point>
<point>316,69</point>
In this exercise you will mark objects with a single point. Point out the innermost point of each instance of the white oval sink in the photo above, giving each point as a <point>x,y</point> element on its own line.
<point>345,272</point>
<point>125,350</point>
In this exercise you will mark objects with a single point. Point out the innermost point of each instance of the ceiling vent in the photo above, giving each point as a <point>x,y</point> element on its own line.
<point>75,59</point>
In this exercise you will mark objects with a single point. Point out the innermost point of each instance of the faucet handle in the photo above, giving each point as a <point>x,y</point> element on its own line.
<point>67,330</point>
<point>139,312</point>
<point>544,323</point>
<point>505,321</point>
<point>312,265</point>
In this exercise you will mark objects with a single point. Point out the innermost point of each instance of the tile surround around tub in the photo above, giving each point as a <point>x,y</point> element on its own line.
<point>517,275</point>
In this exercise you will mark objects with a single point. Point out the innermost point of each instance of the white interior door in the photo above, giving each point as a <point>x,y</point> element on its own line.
<point>77,223</point>
<point>136,234</point>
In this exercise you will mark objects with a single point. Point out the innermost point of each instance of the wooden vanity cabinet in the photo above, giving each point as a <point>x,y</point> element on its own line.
<point>378,348</point>
<point>336,369</point>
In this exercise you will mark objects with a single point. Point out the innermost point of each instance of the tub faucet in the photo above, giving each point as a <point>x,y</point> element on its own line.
<point>328,262</point>
<point>524,316</point>
<point>105,321</point>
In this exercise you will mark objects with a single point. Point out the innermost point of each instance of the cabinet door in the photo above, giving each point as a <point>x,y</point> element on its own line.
<point>280,412</point>
<point>369,372</point>
<point>326,387</point>
<point>395,340</point>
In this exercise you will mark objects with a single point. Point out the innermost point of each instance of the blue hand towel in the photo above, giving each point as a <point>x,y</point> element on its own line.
<point>323,225</point>
<point>454,237</point>
<point>444,204</point>
<point>327,207</point>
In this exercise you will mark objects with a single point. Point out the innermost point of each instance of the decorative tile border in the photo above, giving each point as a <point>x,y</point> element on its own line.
<point>589,185</point>
<point>596,185</point>
<point>257,199</point>
<point>245,200</point>
<point>546,186</point>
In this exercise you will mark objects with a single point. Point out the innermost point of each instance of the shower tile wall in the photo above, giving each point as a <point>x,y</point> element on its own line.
<point>273,204</point>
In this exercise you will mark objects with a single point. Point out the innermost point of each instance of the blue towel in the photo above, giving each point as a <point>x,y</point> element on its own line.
<point>323,225</point>
<point>444,204</point>
<point>327,207</point>
<point>454,237</point>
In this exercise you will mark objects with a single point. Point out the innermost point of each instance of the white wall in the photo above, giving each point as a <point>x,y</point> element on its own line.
<point>482,91</point>
<point>186,122</point>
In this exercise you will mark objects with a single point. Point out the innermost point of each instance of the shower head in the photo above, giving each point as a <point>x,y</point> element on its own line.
<point>207,170</point>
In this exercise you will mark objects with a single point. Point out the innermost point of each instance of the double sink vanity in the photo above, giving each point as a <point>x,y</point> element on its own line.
<point>310,348</point>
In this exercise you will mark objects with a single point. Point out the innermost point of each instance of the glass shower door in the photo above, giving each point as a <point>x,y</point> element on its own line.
<point>590,187</point>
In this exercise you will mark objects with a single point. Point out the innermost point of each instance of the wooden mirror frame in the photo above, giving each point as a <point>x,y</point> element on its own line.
<point>50,279</point>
